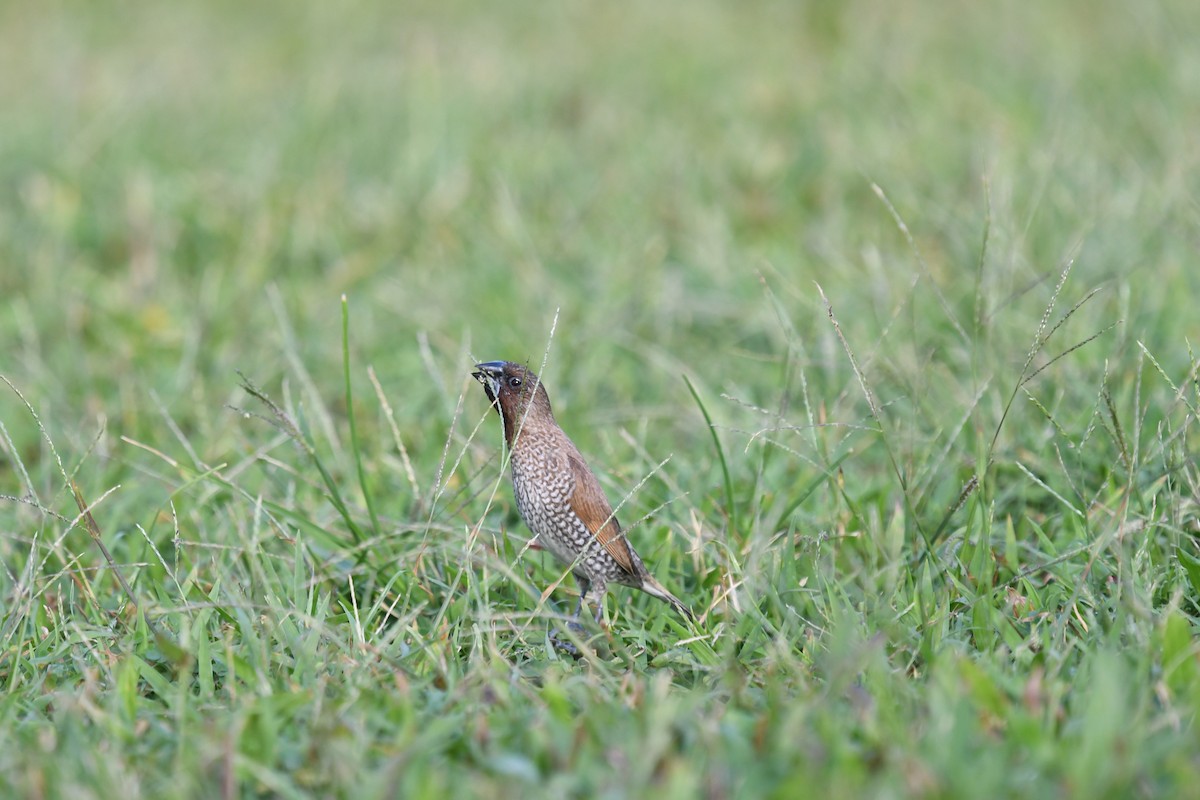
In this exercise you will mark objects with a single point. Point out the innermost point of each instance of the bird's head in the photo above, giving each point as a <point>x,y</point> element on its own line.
<point>516,392</point>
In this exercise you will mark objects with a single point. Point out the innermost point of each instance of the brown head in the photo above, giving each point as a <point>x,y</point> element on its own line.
<point>516,393</point>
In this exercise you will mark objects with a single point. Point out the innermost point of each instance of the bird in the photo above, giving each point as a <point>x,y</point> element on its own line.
<point>558,495</point>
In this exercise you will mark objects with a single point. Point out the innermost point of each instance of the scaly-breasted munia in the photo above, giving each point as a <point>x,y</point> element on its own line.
<point>557,495</point>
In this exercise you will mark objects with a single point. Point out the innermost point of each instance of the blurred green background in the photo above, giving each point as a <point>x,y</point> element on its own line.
<point>632,193</point>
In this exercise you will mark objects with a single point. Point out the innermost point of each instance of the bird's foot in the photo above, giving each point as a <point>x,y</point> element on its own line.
<point>566,645</point>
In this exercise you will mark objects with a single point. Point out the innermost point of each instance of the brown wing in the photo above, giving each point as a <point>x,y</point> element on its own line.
<point>590,504</point>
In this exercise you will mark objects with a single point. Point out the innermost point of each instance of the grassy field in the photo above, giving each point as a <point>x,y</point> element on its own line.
<point>903,294</point>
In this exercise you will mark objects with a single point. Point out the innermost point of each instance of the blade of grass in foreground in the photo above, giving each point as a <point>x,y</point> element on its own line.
<point>284,422</point>
<point>362,475</point>
<point>732,508</point>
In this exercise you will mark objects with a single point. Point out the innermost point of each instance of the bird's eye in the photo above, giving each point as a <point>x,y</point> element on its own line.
<point>514,382</point>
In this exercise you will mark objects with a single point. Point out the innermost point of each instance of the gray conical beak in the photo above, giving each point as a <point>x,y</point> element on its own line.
<point>488,373</point>
<point>493,368</point>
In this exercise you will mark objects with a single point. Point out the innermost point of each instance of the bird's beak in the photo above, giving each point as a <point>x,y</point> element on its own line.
<point>488,373</point>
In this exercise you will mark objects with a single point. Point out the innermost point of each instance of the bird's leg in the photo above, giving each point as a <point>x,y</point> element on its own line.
<point>584,586</point>
<point>573,623</point>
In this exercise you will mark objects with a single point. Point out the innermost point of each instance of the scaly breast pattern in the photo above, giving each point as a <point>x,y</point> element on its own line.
<point>543,483</point>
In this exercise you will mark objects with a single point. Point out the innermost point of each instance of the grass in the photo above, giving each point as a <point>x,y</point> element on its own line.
<point>903,294</point>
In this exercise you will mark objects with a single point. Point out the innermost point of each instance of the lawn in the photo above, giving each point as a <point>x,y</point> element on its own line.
<point>878,319</point>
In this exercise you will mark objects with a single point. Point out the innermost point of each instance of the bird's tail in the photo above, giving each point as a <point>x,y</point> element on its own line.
<point>656,589</point>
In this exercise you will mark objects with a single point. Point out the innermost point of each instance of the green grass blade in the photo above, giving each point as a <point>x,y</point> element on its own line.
<point>350,417</point>
<point>730,504</point>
